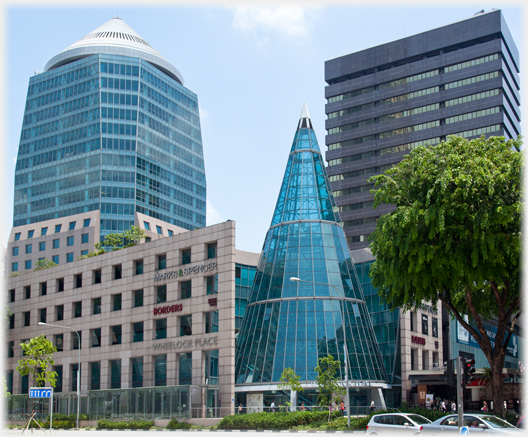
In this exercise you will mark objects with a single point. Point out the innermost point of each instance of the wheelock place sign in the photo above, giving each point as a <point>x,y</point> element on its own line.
<point>177,273</point>
<point>180,344</point>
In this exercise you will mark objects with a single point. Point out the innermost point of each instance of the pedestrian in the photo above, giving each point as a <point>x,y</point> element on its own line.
<point>342,408</point>
<point>303,408</point>
<point>272,406</point>
<point>372,406</point>
<point>484,406</point>
<point>442,406</point>
<point>453,407</point>
<point>239,408</point>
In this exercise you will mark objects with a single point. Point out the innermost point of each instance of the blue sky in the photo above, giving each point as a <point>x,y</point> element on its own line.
<point>252,69</point>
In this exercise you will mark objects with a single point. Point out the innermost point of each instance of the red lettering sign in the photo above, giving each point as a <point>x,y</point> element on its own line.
<point>418,340</point>
<point>168,309</point>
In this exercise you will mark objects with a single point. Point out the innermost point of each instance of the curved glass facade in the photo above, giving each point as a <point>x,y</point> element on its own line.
<point>292,324</point>
<point>113,133</point>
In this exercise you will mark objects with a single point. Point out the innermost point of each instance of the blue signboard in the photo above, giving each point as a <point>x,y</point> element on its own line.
<point>464,337</point>
<point>36,392</point>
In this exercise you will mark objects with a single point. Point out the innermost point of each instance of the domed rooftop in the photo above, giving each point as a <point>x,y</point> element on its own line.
<point>115,37</point>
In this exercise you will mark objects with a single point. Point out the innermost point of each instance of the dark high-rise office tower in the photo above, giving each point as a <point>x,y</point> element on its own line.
<point>109,126</point>
<point>460,79</point>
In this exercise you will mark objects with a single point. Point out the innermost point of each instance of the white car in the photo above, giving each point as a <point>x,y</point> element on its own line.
<point>477,424</point>
<point>386,423</point>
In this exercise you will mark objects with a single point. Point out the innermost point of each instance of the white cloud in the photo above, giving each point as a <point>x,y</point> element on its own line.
<point>213,216</point>
<point>204,114</point>
<point>289,21</point>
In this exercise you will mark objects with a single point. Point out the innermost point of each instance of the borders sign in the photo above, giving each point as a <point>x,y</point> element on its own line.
<point>40,392</point>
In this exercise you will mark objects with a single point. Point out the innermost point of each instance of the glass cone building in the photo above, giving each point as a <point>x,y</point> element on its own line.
<point>109,126</point>
<point>292,324</point>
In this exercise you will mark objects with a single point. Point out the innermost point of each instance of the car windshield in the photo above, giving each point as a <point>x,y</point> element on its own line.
<point>495,422</point>
<point>419,420</point>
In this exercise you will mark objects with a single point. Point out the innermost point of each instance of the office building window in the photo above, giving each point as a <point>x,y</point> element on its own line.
<point>116,302</point>
<point>425,324</point>
<point>28,264</point>
<point>69,257</point>
<point>116,334</point>
<point>414,359</point>
<point>211,284</point>
<point>42,246</point>
<point>97,276</point>
<point>27,292</point>
<point>60,284</point>
<point>84,252</point>
<point>55,259</point>
<point>185,373</point>
<point>139,266</point>
<point>9,381</point>
<point>10,349</point>
<point>96,305</point>
<point>117,271</point>
<point>56,244</point>
<point>162,262</point>
<point>58,379</point>
<point>147,226</point>
<point>14,267</point>
<point>42,317</point>
<point>14,251</point>
<point>43,231</point>
<point>138,298</point>
<point>96,337</point>
<point>211,367</point>
<point>161,329</point>
<point>43,288</point>
<point>86,223</point>
<point>78,280</point>
<point>425,360</point>
<point>115,374</point>
<point>186,325</point>
<point>158,230</point>
<point>170,233</point>
<point>24,389</point>
<point>95,376</point>
<point>211,322</point>
<point>434,327</point>
<point>186,256</point>
<point>160,370</point>
<point>74,375</point>
<point>58,228</point>
<point>186,288</point>
<point>69,241</point>
<point>137,332</point>
<point>17,236</point>
<point>84,238</point>
<point>12,321</point>
<point>147,239</point>
<point>27,315</point>
<point>161,294</point>
<point>137,372</point>
<point>211,251</point>
<point>77,309</point>
<point>76,340</point>
<point>59,342</point>
<point>11,295</point>
<point>72,226</point>
<point>59,313</point>
<point>411,314</point>
<point>30,233</point>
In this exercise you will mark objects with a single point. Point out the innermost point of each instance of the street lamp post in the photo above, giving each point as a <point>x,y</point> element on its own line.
<point>344,340</point>
<point>78,369</point>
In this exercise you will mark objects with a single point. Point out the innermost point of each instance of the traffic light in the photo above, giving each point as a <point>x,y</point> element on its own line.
<point>450,373</point>
<point>467,370</point>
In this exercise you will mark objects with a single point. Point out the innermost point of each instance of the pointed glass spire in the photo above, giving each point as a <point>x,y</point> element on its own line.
<point>292,324</point>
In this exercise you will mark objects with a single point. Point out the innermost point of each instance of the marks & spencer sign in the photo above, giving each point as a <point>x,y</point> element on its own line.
<point>178,273</point>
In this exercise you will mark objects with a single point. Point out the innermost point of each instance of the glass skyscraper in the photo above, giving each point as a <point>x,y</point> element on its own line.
<point>109,126</point>
<point>292,324</point>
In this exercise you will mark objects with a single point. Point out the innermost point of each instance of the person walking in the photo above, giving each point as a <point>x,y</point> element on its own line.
<point>485,406</point>
<point>342,408</point>
<point>303,408</point>
<point>442,406</point>
<point>372,406</point>
<point>272,406</point>
<point>239,408</point>
<point>453,407</point>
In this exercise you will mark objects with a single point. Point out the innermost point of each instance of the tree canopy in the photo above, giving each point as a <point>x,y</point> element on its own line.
<point>38,356</point>
<point>330,390</point>
<point>455,235</point>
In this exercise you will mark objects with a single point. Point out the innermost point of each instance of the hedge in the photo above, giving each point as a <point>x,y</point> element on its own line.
<point>132,424</point>
<point>274,420</point>
<point>174,424</point>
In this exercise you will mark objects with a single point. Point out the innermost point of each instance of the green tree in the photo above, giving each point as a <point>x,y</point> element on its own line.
<point>290,381</point>
<point>455,237</point>
<point>42,264</point>
<point>329,388</point>
<point>116,241</point>
<point>38,356</point>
